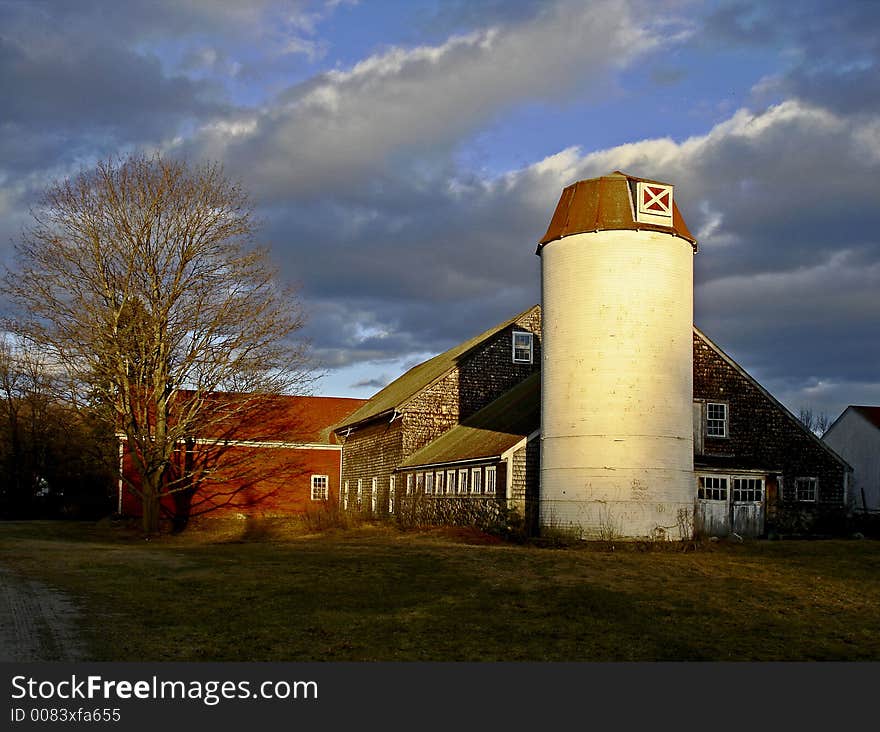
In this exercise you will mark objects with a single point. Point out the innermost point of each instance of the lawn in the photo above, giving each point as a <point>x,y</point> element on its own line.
<point>378,594</point>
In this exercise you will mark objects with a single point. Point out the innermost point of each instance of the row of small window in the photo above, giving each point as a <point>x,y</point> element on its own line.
<point>373,493</point>
<point>714,488</point>
<point>476,481</point>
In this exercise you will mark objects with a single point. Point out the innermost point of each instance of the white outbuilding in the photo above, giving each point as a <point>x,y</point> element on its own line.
<point>855,436</point>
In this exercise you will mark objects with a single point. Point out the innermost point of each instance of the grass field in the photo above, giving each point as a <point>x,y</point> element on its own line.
<point>378,594</point>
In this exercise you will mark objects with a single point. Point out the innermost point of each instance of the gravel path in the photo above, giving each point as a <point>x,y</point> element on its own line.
<point>36,622</point>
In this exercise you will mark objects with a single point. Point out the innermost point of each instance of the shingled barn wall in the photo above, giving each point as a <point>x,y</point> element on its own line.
<point>372,451</point>
<point>762,434</point>
<point>525,483</point>
<point>481,376</point>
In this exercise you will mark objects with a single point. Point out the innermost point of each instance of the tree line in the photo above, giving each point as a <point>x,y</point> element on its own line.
<point>54,461</point>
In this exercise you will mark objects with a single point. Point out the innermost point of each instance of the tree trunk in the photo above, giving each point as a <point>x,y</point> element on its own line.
<point>184,494</point>
<point>151,504</point>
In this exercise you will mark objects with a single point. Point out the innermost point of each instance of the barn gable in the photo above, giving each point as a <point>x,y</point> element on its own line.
<point>743,435</point>
<point>427,401</point>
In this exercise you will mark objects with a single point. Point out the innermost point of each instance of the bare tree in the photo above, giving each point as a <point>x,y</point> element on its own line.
<point>140,282</point>
<point>816,422</point>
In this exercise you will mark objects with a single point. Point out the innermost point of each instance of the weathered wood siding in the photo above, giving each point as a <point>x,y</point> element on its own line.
<point>483,375</point>
<point>761,434</point>
<point>371,452</point>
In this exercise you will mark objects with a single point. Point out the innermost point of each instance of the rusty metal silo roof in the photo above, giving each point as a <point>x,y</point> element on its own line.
<point>606,203</point>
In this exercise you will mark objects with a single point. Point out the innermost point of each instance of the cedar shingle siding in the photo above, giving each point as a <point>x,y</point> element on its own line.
<point>763,435</point>
<point>476,378</point>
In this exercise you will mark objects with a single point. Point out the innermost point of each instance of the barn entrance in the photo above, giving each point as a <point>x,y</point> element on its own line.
<point>730,504</point>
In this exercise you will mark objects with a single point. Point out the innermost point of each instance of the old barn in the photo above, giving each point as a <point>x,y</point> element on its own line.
<point>603,411</point>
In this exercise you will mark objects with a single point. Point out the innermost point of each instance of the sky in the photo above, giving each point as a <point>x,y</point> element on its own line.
<point>404,156</point>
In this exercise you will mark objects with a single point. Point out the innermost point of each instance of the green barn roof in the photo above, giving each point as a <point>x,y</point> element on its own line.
<point>490,432</point>
<point>402,389</point>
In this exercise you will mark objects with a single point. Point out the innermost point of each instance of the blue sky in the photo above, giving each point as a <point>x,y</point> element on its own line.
<point>406,156</point>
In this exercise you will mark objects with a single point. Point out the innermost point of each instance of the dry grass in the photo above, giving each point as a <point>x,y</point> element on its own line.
<point>272,591</point>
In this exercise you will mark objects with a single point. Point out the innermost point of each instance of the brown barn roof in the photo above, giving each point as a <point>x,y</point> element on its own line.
<point>276,418</point>
<point>605,203</point>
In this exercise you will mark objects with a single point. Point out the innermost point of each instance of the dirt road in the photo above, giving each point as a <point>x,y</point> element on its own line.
<point>36,622</point>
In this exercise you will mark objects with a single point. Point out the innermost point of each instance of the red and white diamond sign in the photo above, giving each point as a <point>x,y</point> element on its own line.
<point>654,203</point>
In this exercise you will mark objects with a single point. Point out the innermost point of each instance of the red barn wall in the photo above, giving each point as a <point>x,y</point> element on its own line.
<point>276,481</point>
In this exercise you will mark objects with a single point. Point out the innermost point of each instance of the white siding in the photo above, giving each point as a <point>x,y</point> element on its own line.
<point>857,441</point>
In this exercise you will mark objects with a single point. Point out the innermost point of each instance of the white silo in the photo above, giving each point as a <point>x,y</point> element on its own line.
<point>617,362</point>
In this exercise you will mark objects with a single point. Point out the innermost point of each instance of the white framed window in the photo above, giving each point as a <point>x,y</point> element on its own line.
<point>712,488</point>
<point>409,484</point>
<point>429,484</point>
<point>716,419</point>
<point>450,482</point>
<point>438,483</point>
<point>463,480</point>
<point>345,496</point>
<point>360,493</point>
<point>320,487</point>
<point>748,490</point>
<point>391,494</point>
<point>523,351</point>
<point>476,480</point>
<point>490,480</point>
<point>420,482</point>
<point>374,495</point>
<point>806,489</point>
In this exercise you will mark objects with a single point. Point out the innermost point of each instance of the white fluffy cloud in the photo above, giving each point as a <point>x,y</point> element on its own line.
<point>349,125</point>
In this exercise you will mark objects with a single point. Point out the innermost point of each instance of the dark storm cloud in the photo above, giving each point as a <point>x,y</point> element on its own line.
<point>429,267</point>
<point>400,251</point>
<point>98,91</point>
<point>789,269</point>
<point>832,48</point>
<point>786,279</point>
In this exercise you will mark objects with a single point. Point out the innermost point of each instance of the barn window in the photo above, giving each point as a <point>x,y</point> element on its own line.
<point>806,489</point>
<point>429,483</point>
<point>450,482</point>
<point>462,480</point>
<point>490,480</point>
<point>319,487</point>
<point>345,496</point>
<point>476,480</point>
<point>420,482</point>
<point>391,494</point>
<point>409,484</point>
<point>374,495</point>
<point>360,494</point>
<point>716,419</point>
<point>438,485</point>
<point>712,488</point>
<point>748,490</point>
<point>522,347</point>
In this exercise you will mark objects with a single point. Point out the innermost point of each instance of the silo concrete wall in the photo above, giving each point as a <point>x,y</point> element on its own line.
<point>617,385</point>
